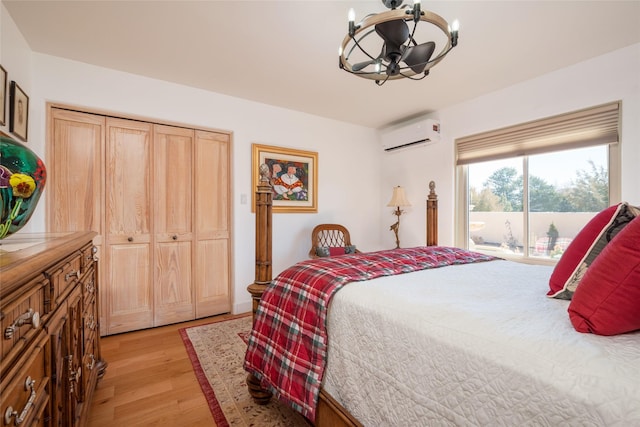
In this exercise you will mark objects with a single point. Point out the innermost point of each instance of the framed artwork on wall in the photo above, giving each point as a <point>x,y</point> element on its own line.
<point>18,111</point>
<point>294,178</point>
<point>3,96</point>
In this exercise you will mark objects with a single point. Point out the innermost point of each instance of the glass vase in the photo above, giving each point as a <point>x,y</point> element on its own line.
<point>22,179</point>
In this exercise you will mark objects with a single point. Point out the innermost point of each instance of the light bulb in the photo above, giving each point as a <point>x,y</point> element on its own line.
<point>352,24</point>
<point>416,11</point>
<point>339,50</point>
<point>455,26</point>
<point>352,15</point>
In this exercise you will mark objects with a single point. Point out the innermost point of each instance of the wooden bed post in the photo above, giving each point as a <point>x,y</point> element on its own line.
<point>263,265</point>
<point>263,238</point>
<point>432,215</point>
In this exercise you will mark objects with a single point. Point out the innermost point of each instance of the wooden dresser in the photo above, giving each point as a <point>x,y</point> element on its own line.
<point>50,344</point>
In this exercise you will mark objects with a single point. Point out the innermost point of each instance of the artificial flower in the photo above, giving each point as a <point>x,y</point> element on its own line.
<point>23,185</point>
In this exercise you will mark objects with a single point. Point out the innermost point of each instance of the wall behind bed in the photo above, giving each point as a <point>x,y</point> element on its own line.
<point>355,176</point>
<point>347,166</point>
<point>610,77</point>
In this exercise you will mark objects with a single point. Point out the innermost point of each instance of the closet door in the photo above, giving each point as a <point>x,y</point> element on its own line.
<point>159,198</point>
<point>173,224</point>
<point>75,176</point>
<point>75,188</point>
<point>212,218</point>
<point>129,286</point>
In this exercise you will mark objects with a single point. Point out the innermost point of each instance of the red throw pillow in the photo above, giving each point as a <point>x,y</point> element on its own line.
<point>607,302</point>
<point>325,251</point>
<point>585,248</point>
<point>333,251</point>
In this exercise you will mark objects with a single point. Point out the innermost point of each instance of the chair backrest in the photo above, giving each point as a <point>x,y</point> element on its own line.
<point>329,235</point>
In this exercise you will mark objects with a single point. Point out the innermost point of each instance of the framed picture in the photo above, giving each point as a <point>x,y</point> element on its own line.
<point>3,96</point>
<point>294,178</point>
<point>18,111</point>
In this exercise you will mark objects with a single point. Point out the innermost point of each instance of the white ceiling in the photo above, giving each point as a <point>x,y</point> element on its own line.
<point>285,53</point>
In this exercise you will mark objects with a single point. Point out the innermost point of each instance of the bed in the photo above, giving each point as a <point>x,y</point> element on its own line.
<point>475,342</point>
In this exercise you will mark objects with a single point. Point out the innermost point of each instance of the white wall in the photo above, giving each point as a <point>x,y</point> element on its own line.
<point>351,162</point>
<point>614,76</point>
<point>15,57</point>
<point>346,163</point>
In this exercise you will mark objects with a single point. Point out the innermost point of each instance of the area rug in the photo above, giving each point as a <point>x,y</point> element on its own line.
<point>217,352</point>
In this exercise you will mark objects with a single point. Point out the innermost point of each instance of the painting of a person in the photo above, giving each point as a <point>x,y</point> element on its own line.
<point>288,184</point>
<point>276,170</point>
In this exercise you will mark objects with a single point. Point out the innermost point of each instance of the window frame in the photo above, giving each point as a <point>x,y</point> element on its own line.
<point>461,231</point>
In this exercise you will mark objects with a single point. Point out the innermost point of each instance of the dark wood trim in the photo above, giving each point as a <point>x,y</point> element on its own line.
<point>330,413</point>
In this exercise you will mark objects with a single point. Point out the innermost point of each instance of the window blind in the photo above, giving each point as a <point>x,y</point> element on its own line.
<point>592,126</point>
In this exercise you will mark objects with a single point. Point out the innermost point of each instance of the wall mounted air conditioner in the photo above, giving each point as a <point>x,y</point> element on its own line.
<point>411,135</point>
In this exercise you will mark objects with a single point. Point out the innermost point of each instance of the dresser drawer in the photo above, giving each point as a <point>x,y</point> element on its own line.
<point>89,253</point>
<point>21,317</point>
<point>64,276</point>
<point>48,339</point>
<point>90,321</point>
<point>89,288</point>
<point>25,390</point>
<point>89,363</point>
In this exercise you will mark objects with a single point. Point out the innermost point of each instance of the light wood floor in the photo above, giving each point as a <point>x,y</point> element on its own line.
<point>150,381</point>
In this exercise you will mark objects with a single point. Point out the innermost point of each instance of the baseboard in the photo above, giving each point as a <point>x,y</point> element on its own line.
<point>241,307</point>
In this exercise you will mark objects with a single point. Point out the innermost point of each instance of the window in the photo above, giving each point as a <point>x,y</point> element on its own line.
<point>527,198</point>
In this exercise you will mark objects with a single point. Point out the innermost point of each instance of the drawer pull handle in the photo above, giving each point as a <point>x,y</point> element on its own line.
<point>130,239</point>
<point>32,317</point>
<point>10,413</point>
<point>68,276</point>
<point>74,376</point>
<point>90,287</point>
<point>91,364</point>
<point>174,237</point>
<point>91,322</point>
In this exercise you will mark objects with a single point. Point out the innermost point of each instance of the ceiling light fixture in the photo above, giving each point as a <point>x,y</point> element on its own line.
<point>399,45</point>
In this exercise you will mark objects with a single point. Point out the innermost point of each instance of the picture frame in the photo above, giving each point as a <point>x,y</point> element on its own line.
<point>294,178</point>
<point>3,95</point>
<point>18,111</point>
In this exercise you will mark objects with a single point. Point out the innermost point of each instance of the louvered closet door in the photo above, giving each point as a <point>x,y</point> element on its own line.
<point>173,216</point>
<point>129,295</point>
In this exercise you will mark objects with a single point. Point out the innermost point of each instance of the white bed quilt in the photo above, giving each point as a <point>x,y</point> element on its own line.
<point>475,345</point>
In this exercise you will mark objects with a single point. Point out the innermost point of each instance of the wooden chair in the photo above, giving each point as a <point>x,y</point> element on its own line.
<point>329,235</point>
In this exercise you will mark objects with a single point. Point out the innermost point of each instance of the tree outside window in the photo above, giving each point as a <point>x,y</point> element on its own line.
<point>564,191</point>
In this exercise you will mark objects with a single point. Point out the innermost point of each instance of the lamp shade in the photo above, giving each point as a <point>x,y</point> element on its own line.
<point>398,198</point>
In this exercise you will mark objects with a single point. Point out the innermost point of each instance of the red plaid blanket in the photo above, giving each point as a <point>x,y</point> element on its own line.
<point>288,343</point>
